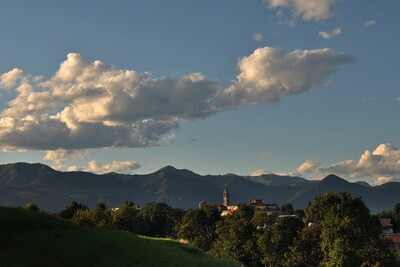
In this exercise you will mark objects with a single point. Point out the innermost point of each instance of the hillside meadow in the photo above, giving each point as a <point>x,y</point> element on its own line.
<point>37,239</point>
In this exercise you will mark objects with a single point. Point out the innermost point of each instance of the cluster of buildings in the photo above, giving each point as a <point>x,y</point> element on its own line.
<point>256,204</point>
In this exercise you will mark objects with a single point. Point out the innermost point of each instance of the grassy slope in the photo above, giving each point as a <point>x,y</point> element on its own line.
<point>37,239</point>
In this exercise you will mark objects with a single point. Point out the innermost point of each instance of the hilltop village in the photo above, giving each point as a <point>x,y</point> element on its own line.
<point>257,205</point>
<point>388,230</point>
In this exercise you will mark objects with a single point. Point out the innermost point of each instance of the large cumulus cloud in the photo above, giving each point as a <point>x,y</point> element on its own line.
<point>269,73</point>
<point>89,104</point>
<point>380,166</point>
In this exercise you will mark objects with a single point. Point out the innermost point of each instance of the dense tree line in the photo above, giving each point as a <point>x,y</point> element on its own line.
<point>337,230</point>
<point>154,219</point>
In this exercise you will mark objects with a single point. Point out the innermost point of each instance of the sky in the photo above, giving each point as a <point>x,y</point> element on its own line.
<point>251,87</point>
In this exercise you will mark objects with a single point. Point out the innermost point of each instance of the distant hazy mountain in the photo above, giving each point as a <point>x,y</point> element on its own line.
<point>53,190</point>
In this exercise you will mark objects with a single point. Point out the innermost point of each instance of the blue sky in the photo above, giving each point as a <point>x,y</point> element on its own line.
<point>280,86</point>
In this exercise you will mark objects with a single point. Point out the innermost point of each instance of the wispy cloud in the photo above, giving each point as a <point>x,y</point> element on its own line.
<point>59,156</point>
<point>306,9</point>
<point>266,153</point>
<point>369,23</point>
<point>260,172</point>
<point>258,37</point>
<point>334,33</point>
<point>115,166</point>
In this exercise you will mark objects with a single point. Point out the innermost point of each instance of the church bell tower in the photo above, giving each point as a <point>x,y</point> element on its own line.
<point>226,197</point>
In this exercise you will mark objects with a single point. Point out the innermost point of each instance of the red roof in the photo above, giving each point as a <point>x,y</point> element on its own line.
<point>394,237</point>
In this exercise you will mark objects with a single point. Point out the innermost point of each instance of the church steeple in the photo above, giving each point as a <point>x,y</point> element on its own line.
<point>226,197</point>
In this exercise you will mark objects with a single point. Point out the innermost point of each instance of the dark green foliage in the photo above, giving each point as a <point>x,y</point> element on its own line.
<point>159,219</point>
<point>124,218</point>
<point>100,217</point>
<point>300,212</point>
<point>342,233</point>
<point>154,219</point>
<point>306,249</point>
<point>71,209</point>
<point>276,239</point>
<point>349,234</point>
<point>287,208</point>
<point>32,207</point>
<point>101,206</point>
<point>237,239</point>
<point>84,218</point>
<point>245,211</point>
<point>396,209</point>
<point>198,226</point>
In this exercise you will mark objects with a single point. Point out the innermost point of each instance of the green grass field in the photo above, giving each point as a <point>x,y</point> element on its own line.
<point>37,239</point>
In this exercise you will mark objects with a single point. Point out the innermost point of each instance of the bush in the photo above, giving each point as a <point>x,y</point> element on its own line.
<point>32,207</point>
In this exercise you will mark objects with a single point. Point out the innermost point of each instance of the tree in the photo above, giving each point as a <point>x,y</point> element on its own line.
<point>102,216</point>
<point>158,218</point>
<point>32,207</point>
<point>124,217</point>
<point>99,217</point>
<point>274,242</point>
<point>101,206</point>
<point>236,239</point>
<point>198,226</point>
<point>348,231</point>
<point>71,209</point>
<point>287,208</point>
<point>396,209</point>
<point>306,249</point>
<point>84,218</point>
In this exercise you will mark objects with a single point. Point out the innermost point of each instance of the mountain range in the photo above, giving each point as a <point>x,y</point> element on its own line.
<point>53,190</point>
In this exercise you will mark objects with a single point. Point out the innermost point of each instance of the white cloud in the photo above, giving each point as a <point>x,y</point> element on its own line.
<point>115,166</point>
<point>381,165</point>
<point>307,167</point>
<point>260,172</point>
<point>383,180</point>
<point>94,105</point>
<point>307,9</point>
<point>91,104</point>
<point>10,79</point>
<point>266,153</point>
<point>269,73</point>
<point>398,98</point>
<point>334,33</point>
<point>258,37</point>
<point>169,138</point>
<point>59,156</point>
<point>369,23</point>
